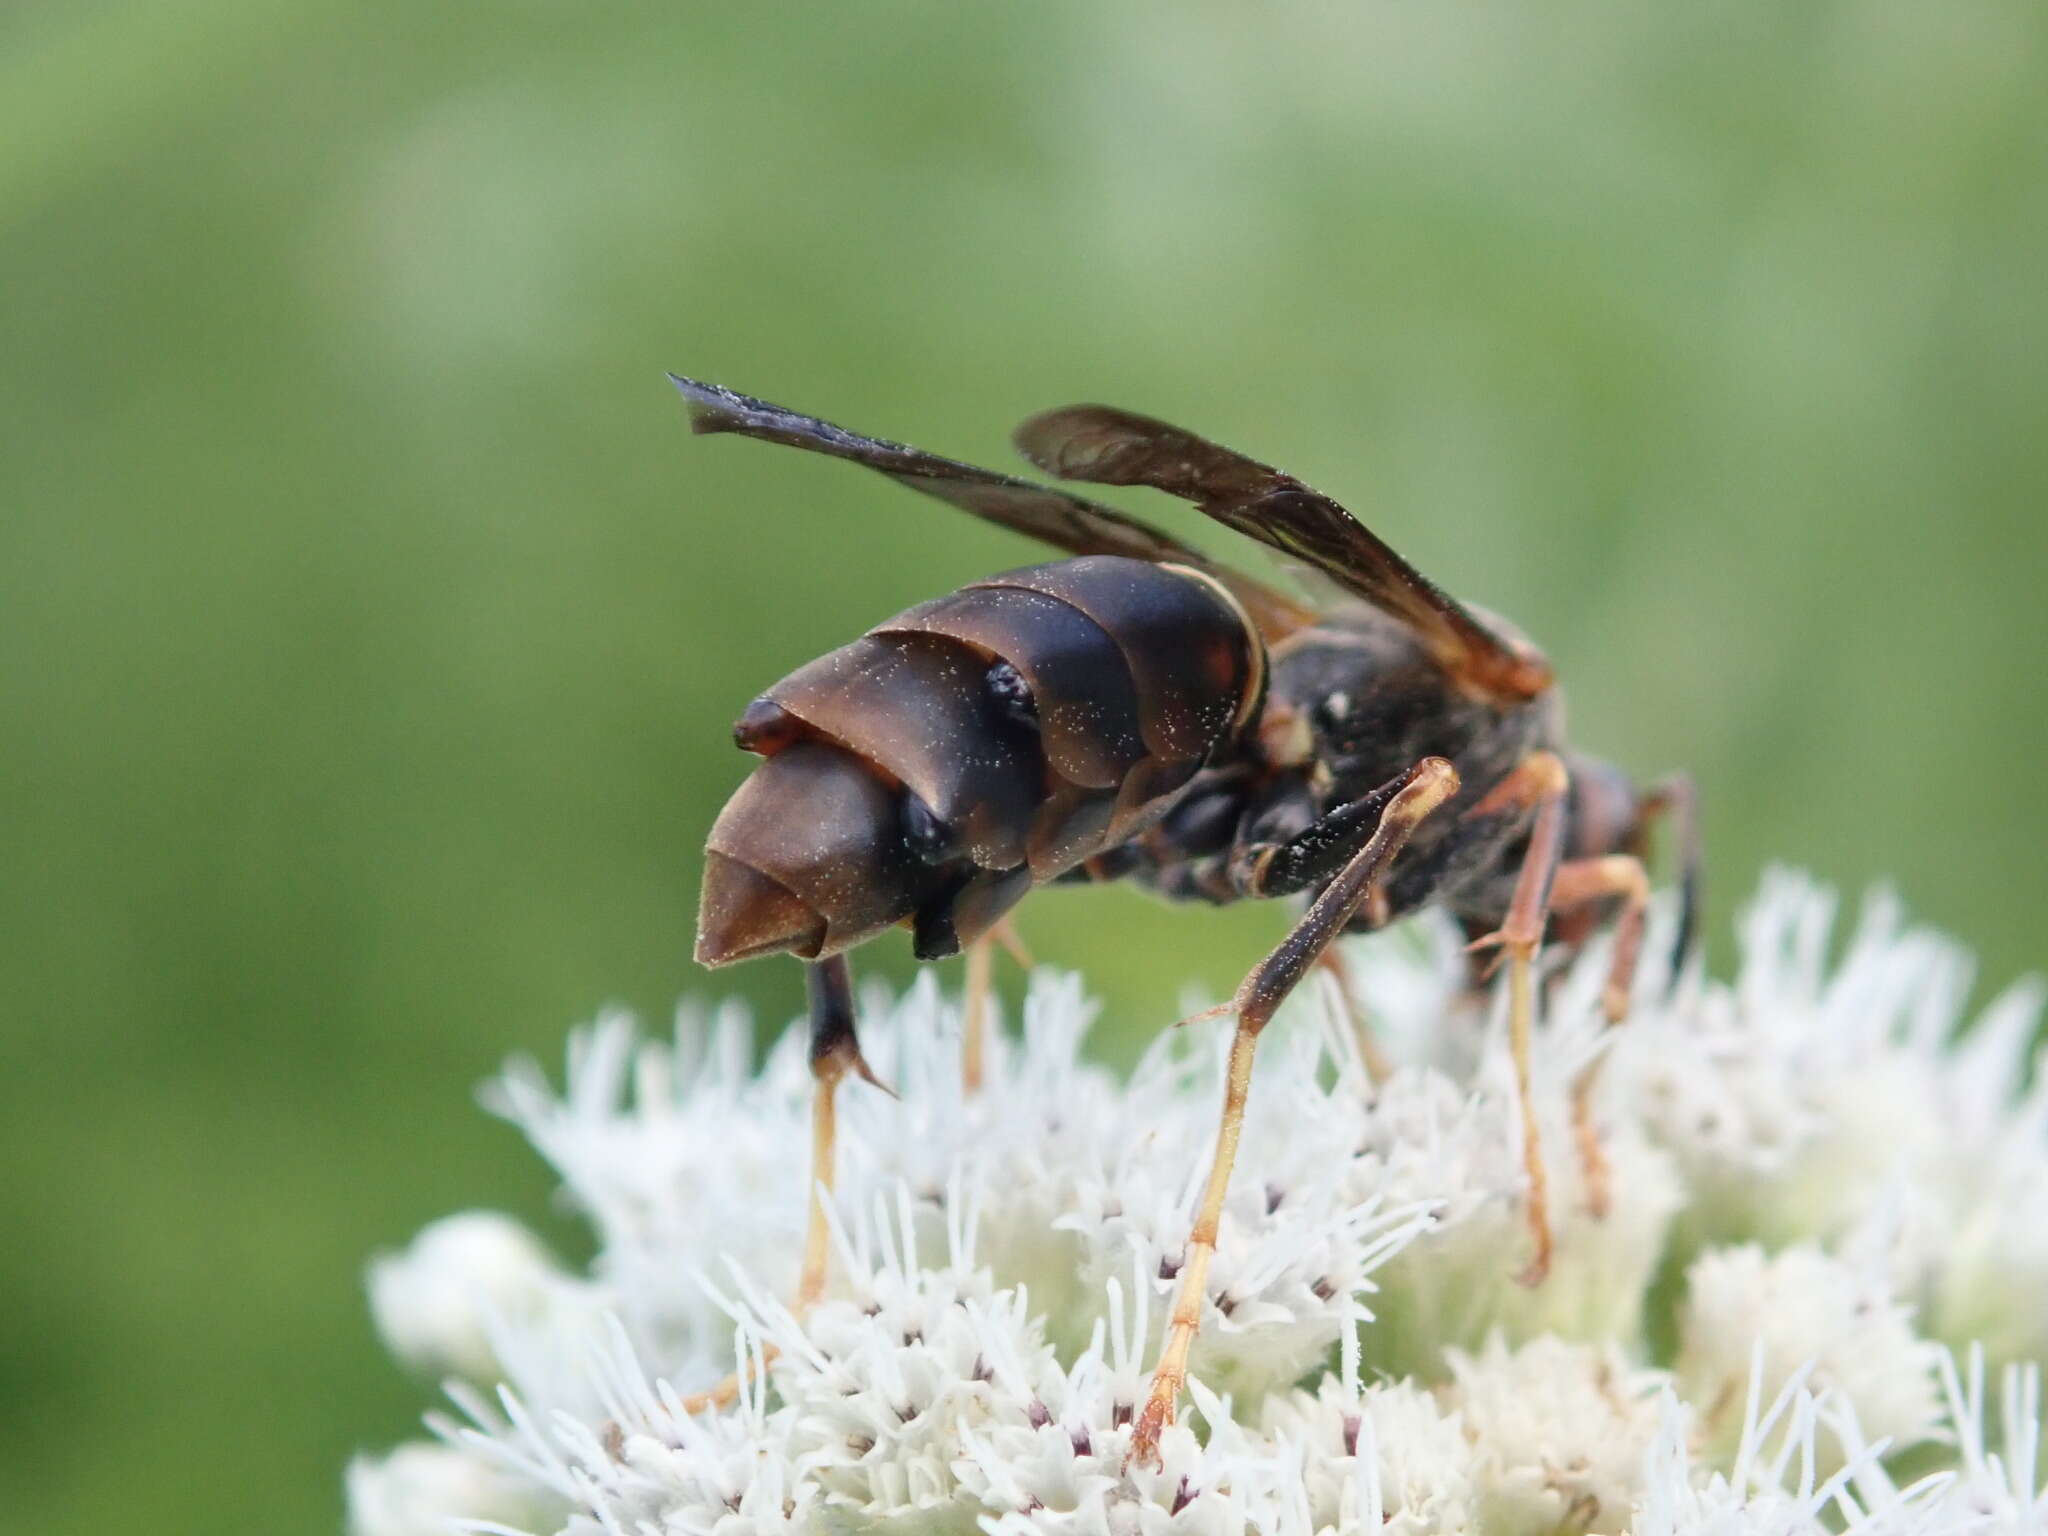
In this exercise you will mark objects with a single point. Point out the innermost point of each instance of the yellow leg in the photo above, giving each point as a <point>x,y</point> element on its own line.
<point>835,1051</point>
<point>824,1145</point>
<point>1677,797</point>
<point>980,983</point>
<point>1593,1164</point>
<point>1171,1373</point>
<point>980,964</point>
<point>1377,1066</point>
<point>1005,934</point>
<point>1521,1015</point>
<point>1579,881</point>
<point>1539,780</point>
<point>727,1391</point>
<point>1423,788</point>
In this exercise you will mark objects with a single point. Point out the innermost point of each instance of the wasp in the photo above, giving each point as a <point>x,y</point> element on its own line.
<point>1137,711</point>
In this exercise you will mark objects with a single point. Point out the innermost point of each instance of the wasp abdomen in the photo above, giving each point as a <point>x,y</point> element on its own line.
<point>1017,727</point>
<point>919,708</point>
<point>1187,648</point>
<point>807,856</point>
<point>1081,689</point>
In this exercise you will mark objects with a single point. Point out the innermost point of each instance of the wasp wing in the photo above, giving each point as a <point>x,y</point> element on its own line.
<point>1054,517</point>
<point>1106,446</point>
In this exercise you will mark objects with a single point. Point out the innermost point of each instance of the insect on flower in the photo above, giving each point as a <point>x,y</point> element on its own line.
<point>1138,711</point>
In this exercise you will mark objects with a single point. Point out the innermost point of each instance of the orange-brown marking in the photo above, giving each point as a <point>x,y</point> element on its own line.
<point>1581,882</point>
<point>1539,780</point>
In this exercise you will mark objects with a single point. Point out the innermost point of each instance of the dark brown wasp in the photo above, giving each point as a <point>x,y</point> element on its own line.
<point>1138,711</point>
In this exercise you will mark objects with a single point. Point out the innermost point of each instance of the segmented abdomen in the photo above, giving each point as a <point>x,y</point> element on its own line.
<point>1021,724</point>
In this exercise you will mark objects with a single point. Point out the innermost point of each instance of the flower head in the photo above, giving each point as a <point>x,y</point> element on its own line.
<point>1815,1178</point>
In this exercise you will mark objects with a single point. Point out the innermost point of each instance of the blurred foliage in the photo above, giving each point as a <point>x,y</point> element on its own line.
<point>370,628</point>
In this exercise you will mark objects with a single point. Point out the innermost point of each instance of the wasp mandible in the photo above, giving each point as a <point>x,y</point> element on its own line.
<point>1138,711</point>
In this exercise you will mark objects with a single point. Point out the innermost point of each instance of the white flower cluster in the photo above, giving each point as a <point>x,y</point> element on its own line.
<point>1821,1184</point>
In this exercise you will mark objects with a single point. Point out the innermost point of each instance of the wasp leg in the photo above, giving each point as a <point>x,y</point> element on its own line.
<point>1377,1066</point>
<point>1578,882</point>
<point>1539,780</point>
<point>1615,876</point>
<point>835,1051</point>
<point>974,1010</point>
<point>1005,933</point>
<point>1312,856</point>
<point>980,982</point>
<point>1407,801</point>
<point>1676,797</point>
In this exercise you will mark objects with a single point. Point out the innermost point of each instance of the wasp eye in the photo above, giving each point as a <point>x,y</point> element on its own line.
<point>929,838</point>
<point>1012,694</point>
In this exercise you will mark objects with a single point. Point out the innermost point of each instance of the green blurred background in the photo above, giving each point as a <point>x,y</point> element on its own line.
<point>370,627</point>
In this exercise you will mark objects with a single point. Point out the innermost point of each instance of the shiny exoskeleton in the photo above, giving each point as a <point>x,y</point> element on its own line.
<point>1139,711</point>
<point>1135,711</point>
<point>954,756</point>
